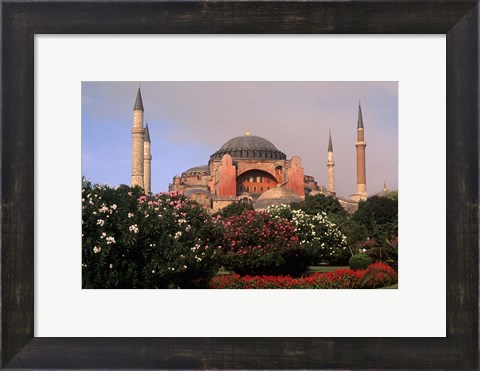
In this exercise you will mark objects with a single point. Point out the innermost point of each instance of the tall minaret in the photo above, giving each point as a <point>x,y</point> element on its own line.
<point>361,170</point>
<point>330,164</point>
<point>147,162</point>
<point>138,133</point>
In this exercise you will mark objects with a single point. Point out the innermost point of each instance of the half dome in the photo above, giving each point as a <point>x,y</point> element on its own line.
<point>198,169</point>
<point>276,196</point>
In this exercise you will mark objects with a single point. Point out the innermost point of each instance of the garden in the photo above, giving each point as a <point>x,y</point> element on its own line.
<point>135,240</point>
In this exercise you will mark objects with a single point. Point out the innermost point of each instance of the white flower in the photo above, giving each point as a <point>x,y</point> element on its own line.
<point>185,266</point>
<point>96,249</point>
<point>178,234</point>
<point>100,222</point>
<point>133,228</point>
<point>111,266</point>
<point>110,240</point>
<point>103,209</point>
<point>114,207</point>
<point>153,271</point>
<point>130,215</point>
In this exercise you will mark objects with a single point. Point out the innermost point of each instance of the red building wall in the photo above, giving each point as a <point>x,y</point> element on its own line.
<point>225,182</point>
<point>295,177</point>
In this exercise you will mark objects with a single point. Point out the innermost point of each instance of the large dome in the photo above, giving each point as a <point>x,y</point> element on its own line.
<point>249,147</point>
<point>276,196</point>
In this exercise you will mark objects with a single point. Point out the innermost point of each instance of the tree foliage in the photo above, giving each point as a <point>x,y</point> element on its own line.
<point>379,215</point>
<point>235,208</point>
<point>320,203</point>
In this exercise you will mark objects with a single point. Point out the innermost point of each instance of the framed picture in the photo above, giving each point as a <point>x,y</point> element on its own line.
<point>22,21</point>
<point>250,125</point>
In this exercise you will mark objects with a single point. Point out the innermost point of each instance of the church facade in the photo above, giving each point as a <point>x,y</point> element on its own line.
<point>242,169</point>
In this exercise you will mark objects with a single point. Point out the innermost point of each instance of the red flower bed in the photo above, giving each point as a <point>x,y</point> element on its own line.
<point>376,275</point>
<point>379,275</point>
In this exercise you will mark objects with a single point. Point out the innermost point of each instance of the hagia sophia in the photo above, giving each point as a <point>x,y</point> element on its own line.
<point>246,168</point>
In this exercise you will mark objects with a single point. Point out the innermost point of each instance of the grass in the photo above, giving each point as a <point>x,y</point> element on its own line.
<point>395,286</point>
<point>323,268</point>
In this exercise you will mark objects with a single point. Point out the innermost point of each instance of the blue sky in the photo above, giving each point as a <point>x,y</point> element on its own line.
<point>189,121</point>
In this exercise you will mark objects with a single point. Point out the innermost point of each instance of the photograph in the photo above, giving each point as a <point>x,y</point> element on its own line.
<point>239,185</point>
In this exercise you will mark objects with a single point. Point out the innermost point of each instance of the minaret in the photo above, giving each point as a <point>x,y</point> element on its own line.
<point>138,133</point>
<point>361,170</point>
<point>147,161</point>
<point>330,164</point>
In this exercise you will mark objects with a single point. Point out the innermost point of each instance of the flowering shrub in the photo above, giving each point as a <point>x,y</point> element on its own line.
<point>321,240</point>
<point>379,275</point>
<point>133,240</point>
<point>256,243</point>
<point>373,277</point>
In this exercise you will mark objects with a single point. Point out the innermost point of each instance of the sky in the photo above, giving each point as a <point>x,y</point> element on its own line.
<point>189,121</point>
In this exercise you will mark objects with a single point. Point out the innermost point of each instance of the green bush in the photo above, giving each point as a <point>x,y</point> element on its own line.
<point>132,240</point>
<point>359,261</point>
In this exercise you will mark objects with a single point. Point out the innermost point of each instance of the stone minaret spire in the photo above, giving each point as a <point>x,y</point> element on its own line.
<point>361,170</point>
<point>138,133</point>
<point>330,164</point>
<point>147,161</point>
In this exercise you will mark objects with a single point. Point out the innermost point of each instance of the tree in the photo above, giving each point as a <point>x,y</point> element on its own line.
<point>235,208</point>
<point>379,215</point>
<point>320,203</point>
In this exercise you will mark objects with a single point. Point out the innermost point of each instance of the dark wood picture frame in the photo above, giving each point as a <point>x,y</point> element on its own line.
<point>459,20</point>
